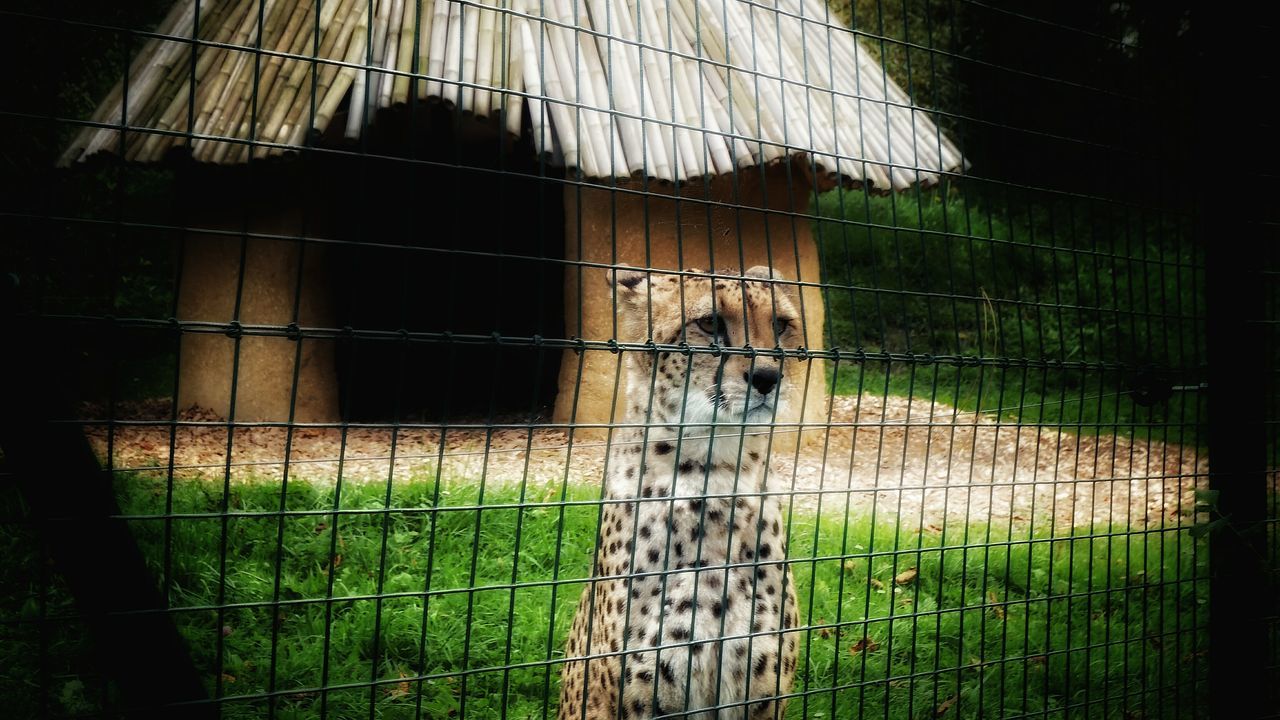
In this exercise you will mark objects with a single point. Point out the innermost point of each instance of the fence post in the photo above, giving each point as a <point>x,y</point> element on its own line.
<point>1241,587</point>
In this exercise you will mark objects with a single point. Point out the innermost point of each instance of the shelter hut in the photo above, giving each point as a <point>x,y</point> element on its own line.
<point>691,133</point>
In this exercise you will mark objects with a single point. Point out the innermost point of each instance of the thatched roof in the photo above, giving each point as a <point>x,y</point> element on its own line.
<point>673,89</point>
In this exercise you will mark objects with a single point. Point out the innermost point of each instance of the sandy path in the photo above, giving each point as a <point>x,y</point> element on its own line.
<point>925,464</point>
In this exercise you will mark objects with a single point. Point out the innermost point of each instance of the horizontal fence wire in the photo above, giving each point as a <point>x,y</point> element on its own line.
<point>796,359</point>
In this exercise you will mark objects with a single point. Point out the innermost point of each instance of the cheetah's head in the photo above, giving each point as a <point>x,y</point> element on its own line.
<point>698,388</point>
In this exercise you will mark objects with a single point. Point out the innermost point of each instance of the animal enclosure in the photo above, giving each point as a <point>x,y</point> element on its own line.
<point>334,322</point>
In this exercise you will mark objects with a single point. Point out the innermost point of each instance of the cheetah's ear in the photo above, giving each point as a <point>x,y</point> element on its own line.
<point>764,272</point>
<point>627,282</point>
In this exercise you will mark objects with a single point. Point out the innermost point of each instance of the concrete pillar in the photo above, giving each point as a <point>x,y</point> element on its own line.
<point>657,228</point>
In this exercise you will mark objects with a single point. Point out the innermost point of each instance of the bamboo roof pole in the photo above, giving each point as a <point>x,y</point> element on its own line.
<point>489,73</point>
<point>218,102</point>
<point>714,117</point>
<point>684,111</point>
<point>901,144</point>
<point>692,110</point>
<point>110,105</point>
<point>150,74</point>
<point>343,77</point>
<point>286,92</point>
<point>561,82</point>
<point>450,92</point>
<point>654,99</point>
<point>564,120</point>
<point>381,40</point>
<point>615,72</point>
<point>849,116</point>
<point>271,91</point>
<point>538,118</point>
<point>359,88</point>
<point>340,42</point>
<point>181,105</point>
<point>209,70</point>
<point>791,97</point>
<point>903,135</point>
<point>175,80</point>
<point>628,86</point>
<point>614,154</point>
<point>242,97</point>
<point>180,74</point>
<point>658,69</point>
<point>869,143</point>
<point>293,101</point>
<point>441,13</point>
<point>557,151</point>
<point>833,118</point>
<point>897,134</point>
<point>837,112</point>
<point>641,140</point>
<point>765,93</point>
<point>390,55</point>
<point>485,61</point>
<point>426,18</point>
<point>406,56</point>
<point>513,104</point>
<point>215,106</point>
<point>584,71</point>
<point>728,113</point>
<point>470,53</point>
<point>760,124</point>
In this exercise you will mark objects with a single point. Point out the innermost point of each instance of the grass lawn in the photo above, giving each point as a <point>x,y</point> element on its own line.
<point>994,624</point>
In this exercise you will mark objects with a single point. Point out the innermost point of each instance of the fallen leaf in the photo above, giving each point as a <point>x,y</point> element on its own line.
<point>866,644</point>
<point>877,584</point>
<point>400,689</point>
<point>850,566</point>
<point>995,608</point>
<point>945,706</point>
<point>906,576</point>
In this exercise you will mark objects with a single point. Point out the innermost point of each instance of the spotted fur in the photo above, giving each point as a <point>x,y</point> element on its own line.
<point>691,606</point>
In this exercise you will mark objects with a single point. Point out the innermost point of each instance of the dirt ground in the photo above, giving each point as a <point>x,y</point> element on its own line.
<point>925,464</point>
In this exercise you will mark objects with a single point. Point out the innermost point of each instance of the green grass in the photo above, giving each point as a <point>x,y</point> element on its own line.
<point>1007,279</point>
<point>997,623</point>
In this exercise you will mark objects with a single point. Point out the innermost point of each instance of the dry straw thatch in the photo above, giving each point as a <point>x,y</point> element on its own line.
<point>671,89</point>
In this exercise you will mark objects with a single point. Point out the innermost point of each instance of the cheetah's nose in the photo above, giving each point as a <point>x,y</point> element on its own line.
<point>764,379</point>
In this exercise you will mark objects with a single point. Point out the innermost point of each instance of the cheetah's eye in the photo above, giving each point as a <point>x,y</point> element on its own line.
<point>713,325</point>
<point>780,326</point>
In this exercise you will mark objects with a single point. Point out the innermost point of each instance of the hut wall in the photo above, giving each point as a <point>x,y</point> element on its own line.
<point>670,230</point>
<point>263,367</point>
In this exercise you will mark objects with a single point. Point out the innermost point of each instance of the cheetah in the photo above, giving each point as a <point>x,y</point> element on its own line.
<point>691,606</point>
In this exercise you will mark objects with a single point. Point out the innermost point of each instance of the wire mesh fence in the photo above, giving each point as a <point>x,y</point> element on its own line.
<point>614,359</point>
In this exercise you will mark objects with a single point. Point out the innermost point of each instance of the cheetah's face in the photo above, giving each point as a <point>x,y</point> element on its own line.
<point>702,388</point>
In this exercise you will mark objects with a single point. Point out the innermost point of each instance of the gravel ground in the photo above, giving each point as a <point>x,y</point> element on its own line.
<point>925,464</point>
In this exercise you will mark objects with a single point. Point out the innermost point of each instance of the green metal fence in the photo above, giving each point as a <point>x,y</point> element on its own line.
<point>330,426</point>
